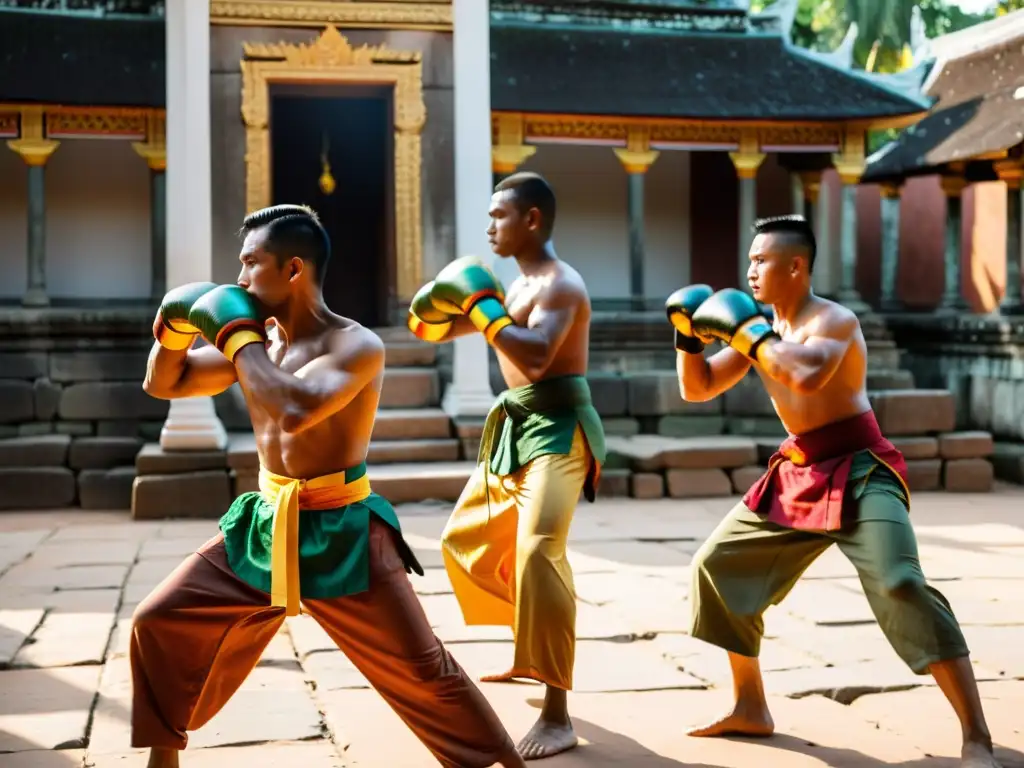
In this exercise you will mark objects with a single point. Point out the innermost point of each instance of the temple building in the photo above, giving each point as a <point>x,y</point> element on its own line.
<point>142,132</point>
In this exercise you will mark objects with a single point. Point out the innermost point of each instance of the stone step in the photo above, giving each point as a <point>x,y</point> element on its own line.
<point>894,379</point>
<point>396,333</point>
<point>410,388</point>
<point>423,451</point>
<point>409,354</point>
<point>883,358</point>
<point>407,483</point>
<point>913,412</point>
<point>411,424</point>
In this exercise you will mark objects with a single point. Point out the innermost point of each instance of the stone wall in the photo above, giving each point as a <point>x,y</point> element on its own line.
<point>73,414</point>
<point>980,359</point>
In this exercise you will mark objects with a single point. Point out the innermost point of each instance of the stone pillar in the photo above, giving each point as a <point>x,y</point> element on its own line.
<point>1011,173</point>
<point>470,393</point>
<point>810,187</point>
<point>746,161</point>
<point>889,301</point>
<point>952,294</point>
<point>154,152</point>
<point>35,149</point>
<point>850,166</point>
<point>636,158</point>
<point>192,423</point>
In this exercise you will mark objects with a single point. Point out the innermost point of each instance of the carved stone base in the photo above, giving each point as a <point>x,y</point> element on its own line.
<point>192,425</point>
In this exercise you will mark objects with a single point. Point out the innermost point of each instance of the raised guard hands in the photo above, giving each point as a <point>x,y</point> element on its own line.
<point>171,327</point>
<point>680,307</point>
<point>425,320</point>
<point>467,287</point>
<point>227,318</point>
<point>733,317</point>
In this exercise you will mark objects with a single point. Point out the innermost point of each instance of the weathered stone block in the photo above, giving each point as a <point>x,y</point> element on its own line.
<point>895,379</point>
<point>917,447</point>
<point>244,481</point>
<point>744,477</point>
<point>913,412</point>
<point>924,474</point>
<point>613,483</point>
<point>105,365</point>
<point>117,428</point>
<point>965,445</point>
<point>646,485</point>
<point>22,365</point>
<point>981,400</point>
<point>204,495</point>
<point>1007,403</point>
<point>410,388</point>
<point>656,393</point>
<point>690,426</point>
<point>150,430</point>
<point>609,392</point>
<point>697,483</point>
<point>623,427</point>
<point>749,398</point>
<point>74,428</point>
<point>35,428</point>
<point>39,451</point>
<point>469,427</point>
<point>110,400</point>
<point>106,488</point>
<point>968,475</point>
<point>651,453</point>
<point>104,453</point>
<point>755,426</point>
<point>469,448</point>
<point>36,487</point>
<point>154,460</point>
<point>47,398</point>
<point>1008,462</point>
<point>17,401</point>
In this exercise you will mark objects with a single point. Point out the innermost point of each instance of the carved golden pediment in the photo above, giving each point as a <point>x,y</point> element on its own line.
<point>366,14</point>
<point>331,49</point>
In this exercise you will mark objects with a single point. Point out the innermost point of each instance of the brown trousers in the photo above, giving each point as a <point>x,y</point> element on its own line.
<point>200,633</point>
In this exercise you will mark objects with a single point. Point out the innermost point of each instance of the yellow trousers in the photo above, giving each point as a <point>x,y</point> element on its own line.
<point>507,562</point>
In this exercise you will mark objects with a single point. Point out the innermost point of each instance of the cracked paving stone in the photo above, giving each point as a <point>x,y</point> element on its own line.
<point>630,556</point>
<point>710,663</point>
<point>64,554</point>
<point>316,754</point>
<point>179,546</point>
<point>434,581</point>
<point>22,577</point>
<point>64,601</point>
<point>15,628</point>
<point>65,758</point>
<point>603,588</point>
<point>828,603</point>
<point>46,709</point>
<point>67,639</point>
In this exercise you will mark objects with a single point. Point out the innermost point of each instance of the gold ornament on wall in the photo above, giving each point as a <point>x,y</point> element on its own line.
<point>327,182</point>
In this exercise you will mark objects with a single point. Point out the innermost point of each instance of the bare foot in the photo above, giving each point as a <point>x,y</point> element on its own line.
<point>162,758</point>
<point>739,723</point>
<point>499,677</point>
<point>546,739</point>
<point>977,755</point>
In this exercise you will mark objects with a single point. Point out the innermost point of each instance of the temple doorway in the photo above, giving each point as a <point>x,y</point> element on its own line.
<point>332,149</point>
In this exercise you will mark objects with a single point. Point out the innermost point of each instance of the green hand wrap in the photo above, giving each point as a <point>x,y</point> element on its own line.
<point>468,287</point>
<point>227,318</point>
<point>171,326</point>
<point>425,320</point>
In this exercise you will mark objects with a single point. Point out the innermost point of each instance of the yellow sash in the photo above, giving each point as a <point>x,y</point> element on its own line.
<point>288,495</point>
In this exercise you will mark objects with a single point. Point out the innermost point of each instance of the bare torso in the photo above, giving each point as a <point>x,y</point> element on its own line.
<point>844,395</point>
<point>524,303</point>
<point>336,443</point>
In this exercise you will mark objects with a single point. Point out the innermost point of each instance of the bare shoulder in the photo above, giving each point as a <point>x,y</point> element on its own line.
<point>832,320</point>
<point>352,344</point>
<point>567,288</point>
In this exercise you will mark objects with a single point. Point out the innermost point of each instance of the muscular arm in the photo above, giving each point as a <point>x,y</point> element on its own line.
<point>171,374</point>
<point>534,348</point>
<point>807,367</point>
<point>320,388</point>
<point>701,380</point>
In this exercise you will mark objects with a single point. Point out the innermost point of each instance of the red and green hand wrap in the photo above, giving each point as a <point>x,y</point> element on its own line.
<point>467,287</point>
<point>227,318</point>
<point>171,327</point>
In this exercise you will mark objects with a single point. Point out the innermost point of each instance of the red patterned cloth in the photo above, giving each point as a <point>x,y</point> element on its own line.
<point>806,478</point>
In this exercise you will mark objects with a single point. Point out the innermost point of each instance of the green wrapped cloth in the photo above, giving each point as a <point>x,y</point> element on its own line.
<point>541,419</point>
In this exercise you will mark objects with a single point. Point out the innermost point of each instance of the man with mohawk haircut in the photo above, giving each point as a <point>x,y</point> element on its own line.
<point>315,534</point>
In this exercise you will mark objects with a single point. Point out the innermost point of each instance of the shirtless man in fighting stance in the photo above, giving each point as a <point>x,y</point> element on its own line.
<point>504,546</point>
<point>315,534</point>
<point>812,359</point>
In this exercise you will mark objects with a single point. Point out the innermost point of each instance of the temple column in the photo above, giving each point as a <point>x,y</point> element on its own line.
<point>154,152</point>
<point>1011,173</point>
<point>850,166</point>
<point>747,160</point>
<point>889,301</point>
<point>470,393</point>
<point>810,185</point>
<point>952,294</point>
<point>509,150</point>
<point>636,158</point>
<point>35,149</point>
<point>192,423</point>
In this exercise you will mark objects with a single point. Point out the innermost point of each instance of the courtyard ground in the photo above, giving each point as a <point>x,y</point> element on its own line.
<point>840,696</point>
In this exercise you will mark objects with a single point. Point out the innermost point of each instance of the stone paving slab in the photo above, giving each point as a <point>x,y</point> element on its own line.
<point>66,608</point>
